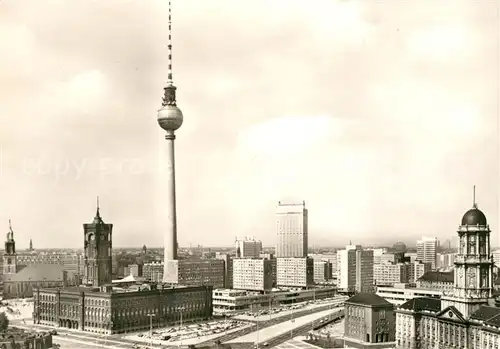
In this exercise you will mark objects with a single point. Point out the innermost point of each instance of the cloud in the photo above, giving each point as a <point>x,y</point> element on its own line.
<point>442,43</point>
<point>380,115</point>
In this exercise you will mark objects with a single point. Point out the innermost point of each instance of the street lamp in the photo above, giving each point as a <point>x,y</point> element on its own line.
<point>181,309</point>
<point>225,323</point>
<point>151,329</point>
<point>291,321</point>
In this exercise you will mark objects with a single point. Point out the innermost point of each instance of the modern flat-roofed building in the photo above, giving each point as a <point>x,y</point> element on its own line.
<point>427,251</point>
<point>322,271</point>
<point>355,269</point>
<point>400,293</point>
<point>295,272</point>
<point>255,274</point>
<point>388,274</point>
<point>190,272</point>
<point>228,268</point>
<point>233,301</point>
<point>248,248</point>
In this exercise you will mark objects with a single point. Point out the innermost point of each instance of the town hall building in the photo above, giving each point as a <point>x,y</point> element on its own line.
<point>98,306</point>
<point>466,316</point>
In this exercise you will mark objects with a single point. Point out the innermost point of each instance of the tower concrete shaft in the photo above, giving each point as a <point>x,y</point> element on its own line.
<point>170,242</point>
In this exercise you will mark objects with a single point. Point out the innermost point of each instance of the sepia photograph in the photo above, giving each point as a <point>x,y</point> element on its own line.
<point>234,174</point>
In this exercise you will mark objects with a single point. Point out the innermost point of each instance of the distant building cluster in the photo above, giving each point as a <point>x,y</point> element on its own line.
<point>25,270</point>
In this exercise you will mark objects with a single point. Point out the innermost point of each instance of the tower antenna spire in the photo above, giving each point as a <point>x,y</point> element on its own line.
<point>474,204</point>
<point>170,80</point>
<point>169,96</point>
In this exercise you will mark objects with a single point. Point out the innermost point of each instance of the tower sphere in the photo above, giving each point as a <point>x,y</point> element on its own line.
<point>170,118</point>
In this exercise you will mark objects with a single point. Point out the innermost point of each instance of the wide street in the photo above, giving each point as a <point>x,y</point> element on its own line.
<point>69,339</point>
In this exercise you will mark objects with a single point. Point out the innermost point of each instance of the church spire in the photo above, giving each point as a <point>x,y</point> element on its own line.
<point>10,234</point>
<point>97,214</point>
<point>169,96</point>
<point>98,218</point>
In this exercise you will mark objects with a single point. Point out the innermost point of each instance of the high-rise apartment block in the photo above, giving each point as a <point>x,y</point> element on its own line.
<point>295,272</point>
<point>417,269</point>
<point>355,269</point>
<point>292,232</point>
<point>427,250</point>
<point>388,274</point>
<point>253,274</point>
<point>228,268</point>
<point>445,260</point>
<point>248,248</point>
<point>134,270</point>
<point>322,271</point>
<point>153,272</point>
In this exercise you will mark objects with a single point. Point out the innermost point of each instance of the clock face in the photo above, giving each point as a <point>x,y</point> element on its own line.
<point>92,237</point>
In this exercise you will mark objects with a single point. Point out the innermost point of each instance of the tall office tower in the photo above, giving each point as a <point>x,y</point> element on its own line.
<point>170,119</point>
<point>291,226</point>
<point>248,248</point>
<point>427,250</point>
<point>355,269</point>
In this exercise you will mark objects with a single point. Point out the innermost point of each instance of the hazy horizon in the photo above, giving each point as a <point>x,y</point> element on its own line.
<point>380,115</point>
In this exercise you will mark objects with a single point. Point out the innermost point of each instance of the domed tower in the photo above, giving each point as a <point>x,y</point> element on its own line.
<point>170,119</point>
<point>473,263</point>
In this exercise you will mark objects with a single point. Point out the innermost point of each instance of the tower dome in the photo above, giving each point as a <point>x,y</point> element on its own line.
<point>474,217</point>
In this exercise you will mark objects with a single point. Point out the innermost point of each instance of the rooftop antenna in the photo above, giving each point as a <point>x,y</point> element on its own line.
<point>474,204</point>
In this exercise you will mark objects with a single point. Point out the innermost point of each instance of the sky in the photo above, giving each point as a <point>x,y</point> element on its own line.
<point>381,115</point>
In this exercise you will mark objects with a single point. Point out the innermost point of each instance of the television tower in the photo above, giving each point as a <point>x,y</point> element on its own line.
<point>170,119</point>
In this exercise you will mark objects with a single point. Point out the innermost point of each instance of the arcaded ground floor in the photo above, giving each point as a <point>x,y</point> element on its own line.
<point>114,328</point>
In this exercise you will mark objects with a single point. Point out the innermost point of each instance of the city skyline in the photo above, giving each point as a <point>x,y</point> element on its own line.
<point>380,116</point>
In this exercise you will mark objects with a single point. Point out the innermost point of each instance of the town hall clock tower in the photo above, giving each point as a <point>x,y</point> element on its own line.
<point>97,251</point>
<point>473,265</point>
